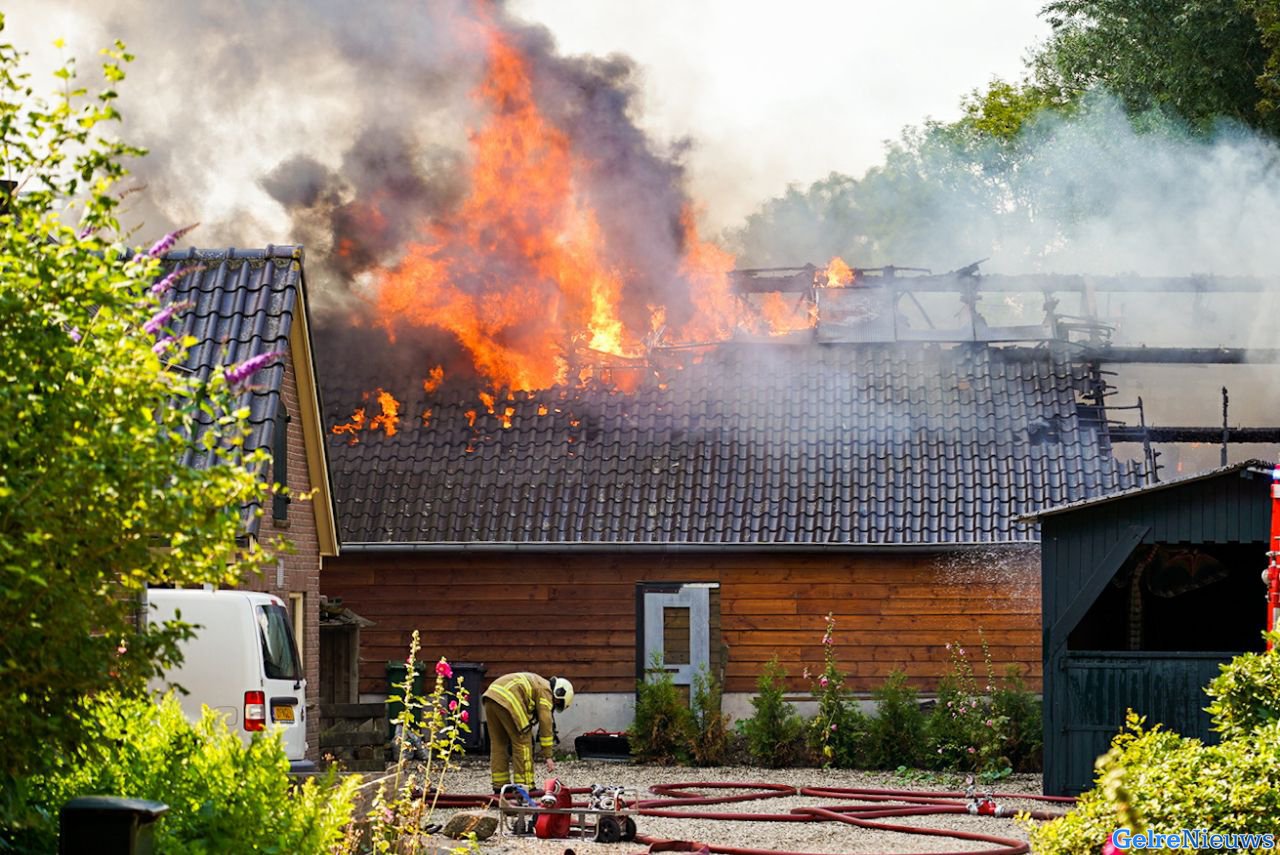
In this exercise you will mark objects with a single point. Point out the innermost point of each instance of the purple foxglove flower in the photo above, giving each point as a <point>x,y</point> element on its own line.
<point>159,319</point>
<point>237,374</point>
<point>74,332</point>
<point>163,344</point>
<point>166,243</point>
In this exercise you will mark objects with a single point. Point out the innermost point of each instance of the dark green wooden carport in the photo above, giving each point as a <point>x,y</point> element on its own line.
<point>1145,594</point>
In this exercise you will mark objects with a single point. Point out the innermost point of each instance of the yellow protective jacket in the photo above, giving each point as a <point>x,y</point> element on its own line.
<point>527,697</point>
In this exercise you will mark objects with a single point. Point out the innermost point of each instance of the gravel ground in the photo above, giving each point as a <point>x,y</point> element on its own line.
<point>810,836</point>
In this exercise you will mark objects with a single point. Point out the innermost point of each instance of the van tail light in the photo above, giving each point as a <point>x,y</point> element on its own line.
<point>255,711</point>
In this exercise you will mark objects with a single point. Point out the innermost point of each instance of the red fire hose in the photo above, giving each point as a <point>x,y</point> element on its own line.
<point>685,800</point>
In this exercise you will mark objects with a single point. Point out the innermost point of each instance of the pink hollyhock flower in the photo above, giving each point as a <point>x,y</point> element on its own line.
<point>971,751</point>
<point>833,728</point>
<point>1109,848</point>
<point>465,715</point>
<point>822,681</point>
<point>443,669</point>
<point>453,705</point>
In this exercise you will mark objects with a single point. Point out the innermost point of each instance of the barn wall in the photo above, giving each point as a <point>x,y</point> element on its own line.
<point>574,613</point>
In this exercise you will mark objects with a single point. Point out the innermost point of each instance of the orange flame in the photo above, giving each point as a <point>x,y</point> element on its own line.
<point>352,427</point>
<point>471,418</point>
<point>426,418</point>
<point>434,378</point>
<point>782,315</point>
<point>838,273</point>
<point>487,400</point>
<point>542,409</point>
<point>707,267</point>
<point>507,415</point>
<point>520,273</point>
<point>389,418</point>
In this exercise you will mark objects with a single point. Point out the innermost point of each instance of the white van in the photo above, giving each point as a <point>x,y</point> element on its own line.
<point>242,662</point>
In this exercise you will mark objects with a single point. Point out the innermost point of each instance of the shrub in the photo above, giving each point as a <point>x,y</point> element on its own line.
<point>895,737</point>
<point>223,796</point>
<point>663,725</point>
<point>836,733</point>
<point>1154,780</point>
<point>710,731</point>
<point>1020,710</point>
<point>773,732</point>
<point>1246,694</point>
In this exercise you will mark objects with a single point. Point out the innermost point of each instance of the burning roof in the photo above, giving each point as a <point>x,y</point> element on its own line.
<point>882,444</point>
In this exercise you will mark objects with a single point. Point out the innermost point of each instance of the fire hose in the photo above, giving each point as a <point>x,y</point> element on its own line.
<point>869,810</point>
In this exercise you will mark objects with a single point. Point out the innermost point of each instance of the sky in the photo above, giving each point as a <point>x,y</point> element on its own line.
<point>767,94</point>
<point>775,93</point>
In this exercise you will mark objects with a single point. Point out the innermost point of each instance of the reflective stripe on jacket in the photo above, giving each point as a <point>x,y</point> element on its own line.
<point>527,697</point>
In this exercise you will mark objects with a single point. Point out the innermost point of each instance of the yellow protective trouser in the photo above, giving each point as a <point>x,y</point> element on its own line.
<point>505,741</point>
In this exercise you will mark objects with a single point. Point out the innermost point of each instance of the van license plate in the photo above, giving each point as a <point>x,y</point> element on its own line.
<point>284,712</point>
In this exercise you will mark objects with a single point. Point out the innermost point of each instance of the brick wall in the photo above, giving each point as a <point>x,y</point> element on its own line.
<point>302,566</point>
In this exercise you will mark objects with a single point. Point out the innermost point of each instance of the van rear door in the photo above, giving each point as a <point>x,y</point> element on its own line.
<point>283,682</point>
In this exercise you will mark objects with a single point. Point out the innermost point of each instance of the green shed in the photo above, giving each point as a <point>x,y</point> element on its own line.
<point>1144,594</point>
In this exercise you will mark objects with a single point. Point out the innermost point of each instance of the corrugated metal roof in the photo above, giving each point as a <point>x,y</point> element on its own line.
<point>238,304</point>
<point>868,444</point>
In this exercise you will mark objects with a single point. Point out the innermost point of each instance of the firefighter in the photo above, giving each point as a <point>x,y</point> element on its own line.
<point>513,703</point>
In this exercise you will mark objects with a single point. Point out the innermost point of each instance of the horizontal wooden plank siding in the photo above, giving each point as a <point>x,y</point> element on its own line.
<point>574,613</point>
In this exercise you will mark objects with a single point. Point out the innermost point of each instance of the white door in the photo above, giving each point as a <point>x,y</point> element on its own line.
<point>668,610</point>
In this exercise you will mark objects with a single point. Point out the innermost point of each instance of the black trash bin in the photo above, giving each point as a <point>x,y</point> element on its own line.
<point>472,675</point>
<point>108,825</point>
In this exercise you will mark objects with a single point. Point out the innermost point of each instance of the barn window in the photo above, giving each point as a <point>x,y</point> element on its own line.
<point>1178,596</point>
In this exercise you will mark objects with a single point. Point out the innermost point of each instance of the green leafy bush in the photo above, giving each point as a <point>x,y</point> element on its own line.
<point>1020,710</point>
<point>710,732</point>
<point>1154,780</point>
<point>837,732</point>
<point>663,725</point>
<point>1246,694</point>
<point>895,736</point>
<point>773,734</point>
<point>94,501</point>
<point>223,796</point>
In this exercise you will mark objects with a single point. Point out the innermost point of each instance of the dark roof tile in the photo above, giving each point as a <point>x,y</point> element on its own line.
<point>871,444</point>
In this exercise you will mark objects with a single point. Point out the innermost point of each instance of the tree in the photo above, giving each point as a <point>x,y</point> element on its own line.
<point>1202,60</point>
<point>94,505</point>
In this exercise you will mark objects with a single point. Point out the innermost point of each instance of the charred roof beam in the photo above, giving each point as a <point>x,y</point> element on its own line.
<point>1183,355</point>
<point>1208,435</point>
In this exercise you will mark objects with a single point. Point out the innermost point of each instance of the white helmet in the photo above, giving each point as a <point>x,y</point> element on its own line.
<point>562,692</point>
